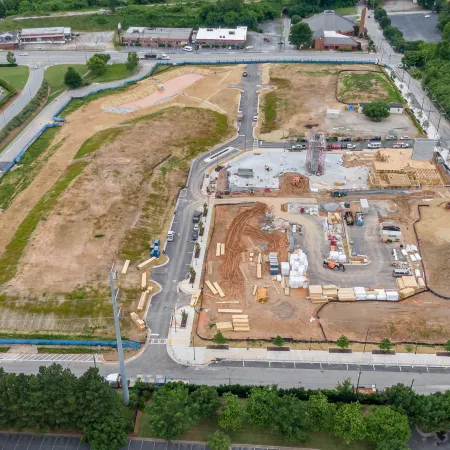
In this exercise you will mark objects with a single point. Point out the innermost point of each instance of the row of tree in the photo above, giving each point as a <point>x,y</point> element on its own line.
<point>174,410</point>
<point>56,400</point>
<point>304,8</point>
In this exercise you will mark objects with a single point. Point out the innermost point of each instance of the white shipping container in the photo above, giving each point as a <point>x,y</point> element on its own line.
<point>364,205</point>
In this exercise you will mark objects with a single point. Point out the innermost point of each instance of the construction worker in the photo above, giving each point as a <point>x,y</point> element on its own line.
<point>343,268</point>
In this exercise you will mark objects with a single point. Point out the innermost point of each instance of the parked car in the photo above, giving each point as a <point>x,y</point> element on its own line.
<point>400,66</point>
<point>334,147</point>
<point>346,139</point>
<point>405,138</point>
<point>405,145</point>
<point>170,235</point>
<point>187,48</point>
<point>397,145</point>
<point>163,56</point>
<point>194,235</point>
<point>390,137</point>
<point>349,146</point>
<point>244,74</point>
<point>150,56</point>
<point>304,140</point>
<point>375,138</point>
<point>196,217</point>
<point>298,146</point>
<point>427,16</point>
<point>249,47</point>
<point>391,228</point>
<point>255,118</point>
<point>196,227</point>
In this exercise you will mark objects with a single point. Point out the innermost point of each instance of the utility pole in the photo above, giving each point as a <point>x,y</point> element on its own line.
<point>365,342</point>
<point>357,383</point>
<point>114,294</point>
<point>412,383</point>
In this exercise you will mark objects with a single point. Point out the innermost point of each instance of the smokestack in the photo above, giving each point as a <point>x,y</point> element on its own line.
<point>362,22</point>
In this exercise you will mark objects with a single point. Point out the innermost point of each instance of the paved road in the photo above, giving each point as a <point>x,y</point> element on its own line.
<point>28,92</point>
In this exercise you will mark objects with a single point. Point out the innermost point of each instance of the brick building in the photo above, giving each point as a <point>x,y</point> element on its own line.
<point>221,36</point>
<point>156,37</point>
<point>50,35</point>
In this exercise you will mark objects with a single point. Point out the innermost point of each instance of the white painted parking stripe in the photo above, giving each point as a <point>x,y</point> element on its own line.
<point>45,357</point>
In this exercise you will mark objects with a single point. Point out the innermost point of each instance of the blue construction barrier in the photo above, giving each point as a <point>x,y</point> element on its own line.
<point>125,344</point>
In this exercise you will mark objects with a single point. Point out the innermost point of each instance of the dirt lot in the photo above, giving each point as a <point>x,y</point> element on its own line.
<point>116,205</point>
<point>285,115</point>
<point>285,315</point>
<point>434,234</point>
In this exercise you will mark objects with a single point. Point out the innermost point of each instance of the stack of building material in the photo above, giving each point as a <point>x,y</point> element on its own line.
<point>333,218</point>
<point>145,263</point>
<point>240,322</point>
<point>139,322</point>
<point>211,287</point>
<point>230,311</point>
<point>218,289</point>
<point>195,297</point>
<point>330,291</point>
<point>144,280</point>
<point>346,295</point>
<point>338,256</point>
<point>261,295</point>
<point>218,249</point>
<point>273,261</point>
<point>391,295</point>
<point>421,283</point>
<point>381,294</point>
<point>299,265</point>
<point>360,293</point>
<point>258,271</point>
<point>125,267</point>
<point>285,269</point>
<point>400,283</point>
<point>406,292</point>
<point>141,303</point>
<point>224,326</point>
<point>371,294</point>
<point>410,282</point>
<point>316,295</point>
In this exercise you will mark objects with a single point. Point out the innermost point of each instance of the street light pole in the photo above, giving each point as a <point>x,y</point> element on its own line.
<point>365,342</point>
<point>114,294</point>
<point>357,383</point>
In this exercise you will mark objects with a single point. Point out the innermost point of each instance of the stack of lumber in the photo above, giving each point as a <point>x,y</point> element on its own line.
<point>330,291</point>
<point>220,249</point>
<point>224,326</point>
<point>215,288</point>
<point>400,283</point>
<point>410,282</point>
<point>240,322</point>
<point>406,292</point>
<point>139,322</point>
<point>316,295</point>
<point>143,298</point>
<point>125,267</point>
<point>230,311</point>
<point>258,271</point>
<point>421,283</point>
<point>346,294</point>
<point>145,263</point>
<point>195,297</point>
<point>144,280</point>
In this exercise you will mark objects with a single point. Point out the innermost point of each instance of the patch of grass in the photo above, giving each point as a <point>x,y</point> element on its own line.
<point>163,68</point>
<point>4,349</point>
<point>68,350</point>
<point>272,101</point>
<point>113,72</point>
<point>14,250</point>
<point>346,11</point>
<point>15,181</point>
<point>356,87</point>
<point>261,436</point>
<point>17,76</point>
<point>66,337</point>
<point>90,22</point>
<point>55,77</point>
<point>99,139</point>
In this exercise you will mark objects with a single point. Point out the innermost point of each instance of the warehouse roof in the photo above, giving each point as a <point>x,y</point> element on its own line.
<point>329,21</point>
<point>391,105</point>
<point>159,33</point>
<point>227,34</point>
<point>48,30</point>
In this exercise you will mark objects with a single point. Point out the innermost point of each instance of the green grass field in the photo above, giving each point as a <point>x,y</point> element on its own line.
<point>347,11</point>
<point>113,72</point>
<point>250,435</point>
<point>55,77</point>
<point>16,75</point>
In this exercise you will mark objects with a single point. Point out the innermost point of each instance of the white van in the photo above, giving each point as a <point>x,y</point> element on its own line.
<point>170,236</point>
<point>397,273</point>
<point>187,48</point>
<point>374,145</point>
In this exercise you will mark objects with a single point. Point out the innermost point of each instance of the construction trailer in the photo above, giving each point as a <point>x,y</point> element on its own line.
<point>315,153</point>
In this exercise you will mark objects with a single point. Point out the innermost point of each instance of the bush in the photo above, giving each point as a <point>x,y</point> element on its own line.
<point>376,111</point>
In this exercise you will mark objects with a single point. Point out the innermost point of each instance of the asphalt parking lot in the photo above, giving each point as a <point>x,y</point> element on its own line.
<point>417,27</point>
<point>13,441</point>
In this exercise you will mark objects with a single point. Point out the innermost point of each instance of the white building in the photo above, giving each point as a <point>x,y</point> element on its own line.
<point>227,36</point>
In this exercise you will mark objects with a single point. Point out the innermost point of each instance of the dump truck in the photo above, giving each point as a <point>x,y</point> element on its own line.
<point>348,216</point>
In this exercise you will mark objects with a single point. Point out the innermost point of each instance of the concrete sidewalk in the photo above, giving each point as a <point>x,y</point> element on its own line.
<point>180,349</point>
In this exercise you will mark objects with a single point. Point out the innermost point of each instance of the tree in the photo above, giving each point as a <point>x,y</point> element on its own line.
<point>278,341</point>
<point>260,406</point>
<point>349,423</point>
<point>107,434</point>
<point>232,414</point>
<point>446,32</point>
<point>103,56</point>
<point>219,441</point>
<point>384,22</point>
<point>132,60</point>
<point>295,19</point>
<point>385,344</point>
<point>385,425</point>
<point>447,346</point>
<point>170,412</point>
<point>404,400</point>
<point>345,390</point>
<point>290,418</point>
<point>112,5</point>
<point>343,342</point>
<point>320,412</point>
<point>219,338</point>
<point>300,34</point>
<point>73,78</point>
<point>11,58</point>
<point>376,111</point>
<point>96,65</point>
<point>206,402</point>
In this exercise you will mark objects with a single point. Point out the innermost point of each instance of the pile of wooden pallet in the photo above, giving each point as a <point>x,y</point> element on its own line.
<point>139,322</point>
<point>239,322</point>
<point>330,291</point>
<point>409,285</point>
<point>142,300</point>
<point>346,294</point>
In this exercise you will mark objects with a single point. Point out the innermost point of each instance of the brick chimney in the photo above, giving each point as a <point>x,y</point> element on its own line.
<point>362,22</point>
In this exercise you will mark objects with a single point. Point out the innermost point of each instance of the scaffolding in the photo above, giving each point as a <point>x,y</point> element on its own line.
<point>315,154</point>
